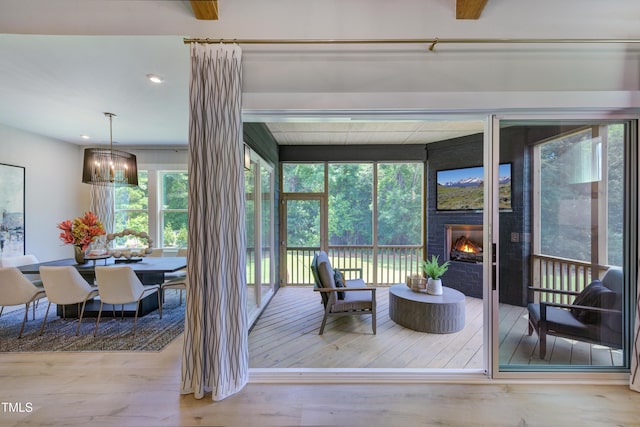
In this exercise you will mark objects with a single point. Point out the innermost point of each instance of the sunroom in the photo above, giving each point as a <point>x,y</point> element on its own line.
<point>558,222</point>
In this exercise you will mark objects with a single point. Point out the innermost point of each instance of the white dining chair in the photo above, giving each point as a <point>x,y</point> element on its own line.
<point>177,283</point>
<point>120,285</point>
<point>156,252</point>
<point>20,260</point>
<point>16,289</point>
<point>64,286</point>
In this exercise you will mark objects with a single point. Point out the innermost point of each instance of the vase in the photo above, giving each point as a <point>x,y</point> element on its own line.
<point>78,254</point>
<point>434,286</point>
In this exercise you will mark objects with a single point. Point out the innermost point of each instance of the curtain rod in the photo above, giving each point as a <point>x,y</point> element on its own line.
<point>431,42</point>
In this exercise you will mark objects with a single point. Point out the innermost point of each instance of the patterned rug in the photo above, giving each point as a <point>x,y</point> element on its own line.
<point>152,333</point>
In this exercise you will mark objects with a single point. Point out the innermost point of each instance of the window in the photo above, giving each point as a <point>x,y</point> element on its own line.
<point>157,206</point>
<point>132,210</point>
<point>400,203</point>
<point>303,177</point>
<point>350,204</point>
<point>174,189</point>
<point>370,217</point>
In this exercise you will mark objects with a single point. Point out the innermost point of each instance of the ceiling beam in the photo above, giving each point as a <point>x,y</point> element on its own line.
<point>469,9</point>
<point>205,9</point>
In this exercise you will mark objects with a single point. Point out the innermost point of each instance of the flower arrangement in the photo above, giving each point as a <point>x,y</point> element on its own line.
<point>81,231</point>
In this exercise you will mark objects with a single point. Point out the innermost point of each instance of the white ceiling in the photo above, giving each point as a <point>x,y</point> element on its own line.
<point>65,62</point>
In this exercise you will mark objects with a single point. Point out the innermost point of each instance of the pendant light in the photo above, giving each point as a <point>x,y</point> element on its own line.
<point>104,166</point>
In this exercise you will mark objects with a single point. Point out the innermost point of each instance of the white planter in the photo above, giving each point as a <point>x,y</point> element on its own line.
<point>434,286</point>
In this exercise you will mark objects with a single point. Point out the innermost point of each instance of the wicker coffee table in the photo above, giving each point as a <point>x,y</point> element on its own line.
<point>439,314</point>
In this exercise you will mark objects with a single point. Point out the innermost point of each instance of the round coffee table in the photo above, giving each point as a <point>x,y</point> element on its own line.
<point>440,314</point>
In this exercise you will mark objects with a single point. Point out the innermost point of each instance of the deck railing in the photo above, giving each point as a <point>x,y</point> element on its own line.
<point>551,272</point>
<point>381,265</point>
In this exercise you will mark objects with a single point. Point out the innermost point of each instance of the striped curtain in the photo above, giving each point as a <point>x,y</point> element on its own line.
<point>215,354</point>
<point>102,205</point>
<point>635,351</point>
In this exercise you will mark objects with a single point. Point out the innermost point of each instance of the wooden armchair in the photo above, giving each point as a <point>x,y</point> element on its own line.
<point>353,297</point>
<point>595,316</point>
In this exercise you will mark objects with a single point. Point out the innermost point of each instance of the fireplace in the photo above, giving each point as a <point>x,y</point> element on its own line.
<point>463,243</point>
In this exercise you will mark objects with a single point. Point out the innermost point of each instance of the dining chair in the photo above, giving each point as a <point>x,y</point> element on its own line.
<point>120,285</point>
<point>16,289</point>
<point>156,252</point>
<point>20,260</point>
<point>64,286</point>
<point>182,252</point>
<point>178,283</point>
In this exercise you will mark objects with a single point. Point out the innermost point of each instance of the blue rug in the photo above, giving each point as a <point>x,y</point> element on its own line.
<point>152,333</point>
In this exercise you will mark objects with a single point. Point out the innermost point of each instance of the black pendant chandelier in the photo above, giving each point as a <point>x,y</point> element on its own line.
<point>106,166</point>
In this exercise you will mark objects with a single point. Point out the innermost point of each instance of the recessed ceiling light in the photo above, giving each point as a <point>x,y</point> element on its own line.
<point>85,136</point>
<point>155,79</point>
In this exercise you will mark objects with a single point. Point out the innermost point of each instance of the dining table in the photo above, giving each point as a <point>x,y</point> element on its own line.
<point>150,271</point>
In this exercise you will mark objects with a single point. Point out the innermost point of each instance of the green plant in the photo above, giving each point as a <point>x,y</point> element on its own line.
<point>433,269</point>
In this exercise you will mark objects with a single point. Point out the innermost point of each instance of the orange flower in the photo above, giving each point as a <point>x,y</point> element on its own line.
<point>81,231</point>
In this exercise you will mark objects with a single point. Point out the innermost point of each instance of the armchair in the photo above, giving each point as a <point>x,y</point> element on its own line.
<point>595,316</point>
<point>351,298</point>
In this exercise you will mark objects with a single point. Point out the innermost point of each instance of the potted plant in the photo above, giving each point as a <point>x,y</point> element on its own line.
<point>434,271</point>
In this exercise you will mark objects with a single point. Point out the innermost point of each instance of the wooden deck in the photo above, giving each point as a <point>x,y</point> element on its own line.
<point>286,336</point>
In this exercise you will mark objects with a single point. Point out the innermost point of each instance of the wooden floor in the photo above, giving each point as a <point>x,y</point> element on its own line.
<point>286,336</point>
<point>142,389</point>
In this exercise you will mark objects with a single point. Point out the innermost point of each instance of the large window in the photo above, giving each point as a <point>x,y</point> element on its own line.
<point>132,210</point>
<point>350,204</point>
<point>157,206</point>
<point>373,216</point>
<point>399,203</point>
<point>174,188</point>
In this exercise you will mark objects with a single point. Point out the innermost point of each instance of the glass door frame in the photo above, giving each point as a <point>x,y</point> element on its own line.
<point>491,224</point>
<point>324,226</point>
<point>256,175</point>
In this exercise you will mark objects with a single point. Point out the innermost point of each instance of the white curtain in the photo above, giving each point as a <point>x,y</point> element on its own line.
<point>102,205</point>
<point>215,355</point>
<point>635,351</point>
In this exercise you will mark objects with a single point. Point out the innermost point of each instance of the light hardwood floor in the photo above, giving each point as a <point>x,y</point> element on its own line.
<point>142,389</point>
<point>286,336</point>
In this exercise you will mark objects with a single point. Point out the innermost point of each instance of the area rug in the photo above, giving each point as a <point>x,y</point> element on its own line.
<point>152,333</point>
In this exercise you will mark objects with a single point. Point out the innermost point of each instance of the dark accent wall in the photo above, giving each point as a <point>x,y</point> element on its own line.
<point>259,138</point>
<point>452,154</point>
<point>514,240</point>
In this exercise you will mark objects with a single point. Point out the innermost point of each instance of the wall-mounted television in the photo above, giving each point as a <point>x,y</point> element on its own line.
<point>463,189</point>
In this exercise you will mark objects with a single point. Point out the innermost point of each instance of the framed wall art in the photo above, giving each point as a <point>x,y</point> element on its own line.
<point>11,210</point>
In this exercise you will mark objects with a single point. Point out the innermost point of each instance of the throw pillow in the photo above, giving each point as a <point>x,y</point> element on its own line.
<point>594,295</point>
<point>340,283</point>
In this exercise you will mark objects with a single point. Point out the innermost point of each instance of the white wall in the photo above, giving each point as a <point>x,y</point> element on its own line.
<point>53,188</point>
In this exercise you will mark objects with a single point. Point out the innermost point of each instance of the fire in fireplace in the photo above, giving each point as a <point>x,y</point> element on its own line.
<point>465,249</point>
<point>464,243</point>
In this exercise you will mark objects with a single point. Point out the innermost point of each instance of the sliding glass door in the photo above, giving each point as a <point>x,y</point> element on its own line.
<point>259,210</point>
<point>564,245</point>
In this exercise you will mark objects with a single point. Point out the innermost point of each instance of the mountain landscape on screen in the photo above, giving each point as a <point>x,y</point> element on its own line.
<point>463,189</point>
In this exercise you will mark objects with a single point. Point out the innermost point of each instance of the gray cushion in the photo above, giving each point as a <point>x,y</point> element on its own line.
<point>613,279</point>
<point>326,274</point>
<point>594,295</point>
<point>339,279</point>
